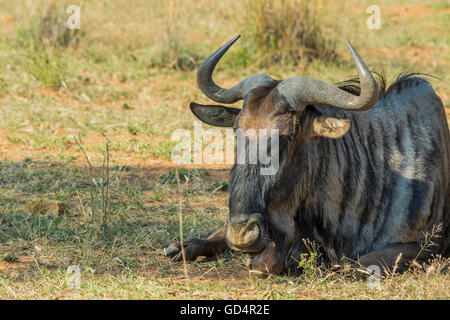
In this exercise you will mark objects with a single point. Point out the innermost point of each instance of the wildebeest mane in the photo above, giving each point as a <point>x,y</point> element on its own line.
<point>407,80</point>
<point>352,85</point>
<point>404,80</point>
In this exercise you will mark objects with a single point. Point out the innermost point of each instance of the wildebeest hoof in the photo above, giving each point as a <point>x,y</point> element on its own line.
<point>258,274</point>
<point>192,250</point>
<point>170,251</point>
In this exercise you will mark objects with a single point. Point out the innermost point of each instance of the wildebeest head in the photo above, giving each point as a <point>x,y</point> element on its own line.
<point>271,104</point>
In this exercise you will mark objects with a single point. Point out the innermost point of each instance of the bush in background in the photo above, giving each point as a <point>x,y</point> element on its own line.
<point>286,32</point>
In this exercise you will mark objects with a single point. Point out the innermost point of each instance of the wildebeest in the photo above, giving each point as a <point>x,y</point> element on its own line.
<point>364,171</point>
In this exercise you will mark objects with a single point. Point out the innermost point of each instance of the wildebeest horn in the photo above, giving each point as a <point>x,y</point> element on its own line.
<point>221,95</point>
<point>302,91</point>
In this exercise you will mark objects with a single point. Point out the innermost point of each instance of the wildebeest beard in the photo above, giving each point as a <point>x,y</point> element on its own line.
<point>250,188</point>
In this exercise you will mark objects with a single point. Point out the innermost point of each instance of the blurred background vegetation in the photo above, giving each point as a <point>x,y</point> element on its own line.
<point>130,69</point>
<point>178,35</point>
<point>143,55</point>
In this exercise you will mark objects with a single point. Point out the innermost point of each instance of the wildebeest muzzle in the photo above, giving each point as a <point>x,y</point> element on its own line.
<point>246,234</point>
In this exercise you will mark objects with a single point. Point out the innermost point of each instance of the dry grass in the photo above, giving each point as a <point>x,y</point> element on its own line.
<point>128,76</point>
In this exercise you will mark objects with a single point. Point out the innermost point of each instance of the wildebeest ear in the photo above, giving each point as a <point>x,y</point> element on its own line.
<point>331,127</point>
<point>219,116</point>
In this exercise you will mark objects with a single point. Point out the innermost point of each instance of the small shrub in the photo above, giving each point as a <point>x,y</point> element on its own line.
<point>308,263</point>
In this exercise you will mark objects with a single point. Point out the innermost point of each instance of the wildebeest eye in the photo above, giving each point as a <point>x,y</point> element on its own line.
<point>279,113</point>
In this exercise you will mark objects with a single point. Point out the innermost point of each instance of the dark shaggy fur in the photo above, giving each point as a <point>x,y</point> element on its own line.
<point>386,181</point>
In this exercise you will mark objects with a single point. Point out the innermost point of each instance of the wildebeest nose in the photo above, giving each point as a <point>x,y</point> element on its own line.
<point>244,233</point>
<point>239,218</point>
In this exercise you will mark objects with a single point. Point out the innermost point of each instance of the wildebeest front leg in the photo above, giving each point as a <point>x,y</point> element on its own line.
<point>269,261</point>
<point>213,246</point>
<point>388,258</point>
<point>273,258</point>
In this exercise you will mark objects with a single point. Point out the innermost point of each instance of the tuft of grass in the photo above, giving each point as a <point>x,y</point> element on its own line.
<point>219,185</point>
<point>133,130</point>
<point>185,175</point>
<point>9,257</point>
<point>286,32</point>
<point>44,36</point>
<point>47,66</point>
<point>159,194</point>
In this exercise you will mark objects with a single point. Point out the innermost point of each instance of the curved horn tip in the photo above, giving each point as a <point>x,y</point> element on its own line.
<point>232,41</point>
<point>207,84</point>
<point>350,47</point>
